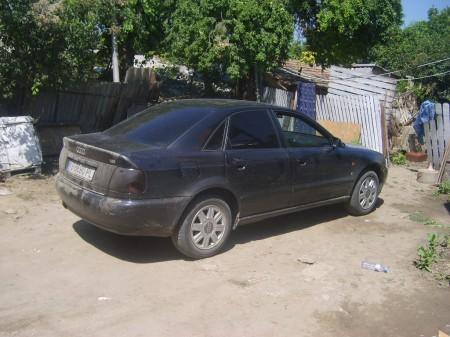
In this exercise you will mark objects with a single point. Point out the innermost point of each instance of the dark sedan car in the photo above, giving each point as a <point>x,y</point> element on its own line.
<point>195,169</point>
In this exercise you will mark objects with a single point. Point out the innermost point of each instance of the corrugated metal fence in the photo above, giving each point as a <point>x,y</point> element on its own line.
<point>363,110</point>
<point>351,82</point>
<point>437,134</point>
<point>277,97</point>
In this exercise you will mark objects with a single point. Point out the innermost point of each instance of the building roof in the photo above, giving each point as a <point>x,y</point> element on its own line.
<point>292,71</point>
<point>313,73</point>
<point>374,69</point>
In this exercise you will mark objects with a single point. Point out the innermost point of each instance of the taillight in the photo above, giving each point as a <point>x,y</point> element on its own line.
<point>128,181</point>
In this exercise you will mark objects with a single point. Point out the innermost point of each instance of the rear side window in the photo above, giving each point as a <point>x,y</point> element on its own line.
<point>251,130</point>
<point>159,125</point>
<point>215,141</point>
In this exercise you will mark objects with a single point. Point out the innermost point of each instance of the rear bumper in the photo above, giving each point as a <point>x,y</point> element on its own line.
<point>147,217</point>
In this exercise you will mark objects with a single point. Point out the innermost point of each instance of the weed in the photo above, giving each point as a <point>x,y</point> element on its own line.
<point>356,141</point>
<point>398,158</point>
<point>444,187</point>
<point>432,222</point>
<point>435,252</point>
<point>445,241</point>
<point>427,255</point>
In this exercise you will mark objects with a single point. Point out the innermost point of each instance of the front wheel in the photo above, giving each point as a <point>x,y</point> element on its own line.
<point>204,229</point>
<point>365,194</point>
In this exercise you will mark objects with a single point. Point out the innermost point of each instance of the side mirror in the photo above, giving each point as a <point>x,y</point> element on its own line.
<point>338,143</point>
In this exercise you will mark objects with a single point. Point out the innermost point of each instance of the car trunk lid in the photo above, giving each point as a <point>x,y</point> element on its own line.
<point>90,160</point>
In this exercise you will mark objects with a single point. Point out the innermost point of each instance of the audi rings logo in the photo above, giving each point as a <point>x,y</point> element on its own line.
<point>81,150</point>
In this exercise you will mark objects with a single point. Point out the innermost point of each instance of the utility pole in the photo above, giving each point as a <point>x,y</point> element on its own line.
<point>257,83</point>
<point>115,56</point>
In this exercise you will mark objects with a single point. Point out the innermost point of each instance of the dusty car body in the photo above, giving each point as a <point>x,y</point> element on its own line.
<point>241,161</point>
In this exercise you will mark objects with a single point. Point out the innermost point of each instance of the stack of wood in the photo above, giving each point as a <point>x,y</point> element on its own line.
<point>401,132</point>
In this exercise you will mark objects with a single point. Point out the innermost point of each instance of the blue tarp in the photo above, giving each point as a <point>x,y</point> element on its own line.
<point>306,103</point>
<point>427,113</point>
<point>306,99</point>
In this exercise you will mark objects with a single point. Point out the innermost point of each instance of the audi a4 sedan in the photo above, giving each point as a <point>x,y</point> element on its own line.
<point>194,170</point>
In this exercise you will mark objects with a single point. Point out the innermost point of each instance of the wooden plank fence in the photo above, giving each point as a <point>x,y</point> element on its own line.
<point>437,135</point>
<point>93,106</point>
<point>363,110</point>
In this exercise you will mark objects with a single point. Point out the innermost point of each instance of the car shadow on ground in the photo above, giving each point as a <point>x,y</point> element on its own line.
<point>447,206</point>
<point>152,249</point>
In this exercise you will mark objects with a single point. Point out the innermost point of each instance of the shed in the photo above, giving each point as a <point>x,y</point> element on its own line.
<point>364,80</point>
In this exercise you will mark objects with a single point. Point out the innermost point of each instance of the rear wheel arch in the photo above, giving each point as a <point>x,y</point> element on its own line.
<point>214,192</point>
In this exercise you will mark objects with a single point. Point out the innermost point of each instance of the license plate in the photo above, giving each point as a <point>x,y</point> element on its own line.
<point>79,170</point>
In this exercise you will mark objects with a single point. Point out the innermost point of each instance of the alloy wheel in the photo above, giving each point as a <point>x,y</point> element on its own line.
<point>208,227</point>
<point>368,192</point>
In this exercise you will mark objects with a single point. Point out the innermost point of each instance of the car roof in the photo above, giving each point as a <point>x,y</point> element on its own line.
<point>216,104</point>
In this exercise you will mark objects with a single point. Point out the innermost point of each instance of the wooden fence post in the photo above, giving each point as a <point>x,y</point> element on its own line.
<point>384,131</point>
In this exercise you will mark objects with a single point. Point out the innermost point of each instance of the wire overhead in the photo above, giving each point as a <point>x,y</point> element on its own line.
<point>382,74</point>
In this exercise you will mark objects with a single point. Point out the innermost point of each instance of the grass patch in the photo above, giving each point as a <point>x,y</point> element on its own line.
<point>425,220</point>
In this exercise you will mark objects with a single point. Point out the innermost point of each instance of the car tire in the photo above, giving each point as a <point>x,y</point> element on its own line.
<point>204,229</point>
<point>365,194</point>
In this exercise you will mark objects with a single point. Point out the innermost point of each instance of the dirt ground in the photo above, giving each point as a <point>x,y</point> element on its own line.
<point>60,276</point>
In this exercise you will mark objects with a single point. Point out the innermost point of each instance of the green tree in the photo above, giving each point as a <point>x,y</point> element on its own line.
<point>138,25</point>
<point>296,48</point>
<point>39,47</point>
<point>241,39</point>
<point>420,43</point>
<point>51,43</point>
<point>343,31</point>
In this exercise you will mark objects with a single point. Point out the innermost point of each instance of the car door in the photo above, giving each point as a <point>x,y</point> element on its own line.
<point>257,167</point>
<point>320,168</point>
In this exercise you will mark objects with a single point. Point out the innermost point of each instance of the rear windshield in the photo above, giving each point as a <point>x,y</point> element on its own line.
<point>159,125</point>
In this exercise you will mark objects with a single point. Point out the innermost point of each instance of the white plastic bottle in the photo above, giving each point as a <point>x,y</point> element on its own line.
<point>374,266</point>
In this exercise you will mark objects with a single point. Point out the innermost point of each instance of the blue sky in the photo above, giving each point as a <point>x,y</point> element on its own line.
<point>416,10</point>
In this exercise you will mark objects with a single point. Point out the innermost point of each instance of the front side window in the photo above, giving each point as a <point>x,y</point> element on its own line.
<point>298,133</point>
<point>251,130</point>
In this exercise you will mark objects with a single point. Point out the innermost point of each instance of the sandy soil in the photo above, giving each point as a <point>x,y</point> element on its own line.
<point>60,276</point>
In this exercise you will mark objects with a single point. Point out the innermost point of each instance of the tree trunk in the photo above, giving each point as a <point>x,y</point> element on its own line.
<point>115,57</point>
<point>191,83</point>
<point>207,80</point>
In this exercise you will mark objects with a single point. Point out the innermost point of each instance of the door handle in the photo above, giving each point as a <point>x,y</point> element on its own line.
<point>301,162</point>
<point>239,164</point>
